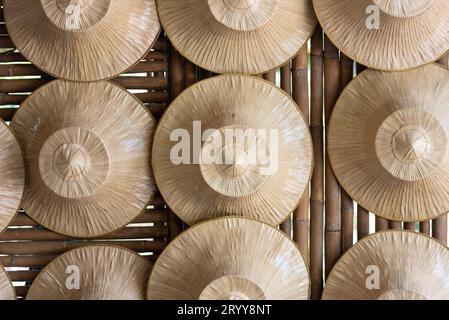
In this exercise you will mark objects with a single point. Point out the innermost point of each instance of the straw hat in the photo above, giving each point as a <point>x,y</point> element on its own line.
<point>7,291</point>
<point>391,265</point>
<point>247,36</point>
<point>230,259</point>
<point>12,176</point>
<point>87,148</point>
<point>95,272</point>
<point>82,40</point>
<point>387,34</point>
<point>388,142</point>
<point>255,159</point>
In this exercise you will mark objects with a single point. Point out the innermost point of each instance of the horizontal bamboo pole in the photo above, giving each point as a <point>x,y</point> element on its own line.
<point>33,261</point>
<point>41,234</point>
<point>6,42</point>
<point>12,56</point>
<point>22,291</point>
<point>26,261</point>
<point>150,216</point>
<point>147,83</point>
<point>20,85</point>
<point>23,275</point>
<point>58,247</point>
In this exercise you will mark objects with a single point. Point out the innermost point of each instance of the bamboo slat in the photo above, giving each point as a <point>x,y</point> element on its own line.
<point>317,182</point>
<point>300,93</point>
<point>176,81</point>
<point>286,85</point>
<point>363,225</point>
<point>332,194</point>
<point>347,204</point>
<point>362,222</point>
<point>424,227</point>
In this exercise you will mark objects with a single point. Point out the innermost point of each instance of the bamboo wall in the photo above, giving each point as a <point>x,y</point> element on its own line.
<point>314,79</point>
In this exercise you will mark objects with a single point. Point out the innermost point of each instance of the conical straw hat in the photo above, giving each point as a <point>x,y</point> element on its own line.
<point>235,180</point>
<point>7,291</point>
<point>230,259</point>
<point>87,148</point>
<point>387,34</point>
<point>12,176</point>
<point>96,272</point>
<point>82,40</point>
<point>247,36</point>
<point>388,142</point>
<point>391,265</point>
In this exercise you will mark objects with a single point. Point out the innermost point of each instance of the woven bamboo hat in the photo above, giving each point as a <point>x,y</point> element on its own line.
<point>262,175</point>
<point>97,272</point>
<point>7,291</point>
<point>12,176</point>
<point>87,148</point>
<point>230,258</point>
<point>387,34</point>
<point>388,142</point>
<point>82,40</point>
<point>247,36</point>
<point>391,265</point>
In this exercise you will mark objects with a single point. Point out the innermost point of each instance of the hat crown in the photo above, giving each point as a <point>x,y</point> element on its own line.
<point>72,15</point>
<point>403,8</point>
<point>401,294</point>
<point>243,15</point>
<point>233,287</point>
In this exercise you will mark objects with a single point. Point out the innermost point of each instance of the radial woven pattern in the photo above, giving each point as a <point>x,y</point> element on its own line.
<point>12,176</point>
<point>247,36</point>
<point>410,32</point>
<point>93,273</point>
<point>230,259</point>
<point>82,40</point>
<point>391,265</point>
<point>241,185</point>
<point>88,153</point>
<point>388,142</point>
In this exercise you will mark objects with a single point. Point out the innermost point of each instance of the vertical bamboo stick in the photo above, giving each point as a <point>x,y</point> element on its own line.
<point>347,204</point>
<point>439,229</point>
<point>300,82</point>
<point>362,213</point>
<point>381,224</point>
<point>362,222</point>
<point>332,194</point>
<point>395,225</point>
<point>424,227</point>
<point>411,226</point>
<point>270,76</point>
<point>439,226</point>
<point>286,85</point>
<point>176,85</point>
<point>189,73</point>
<point>317,182</point>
